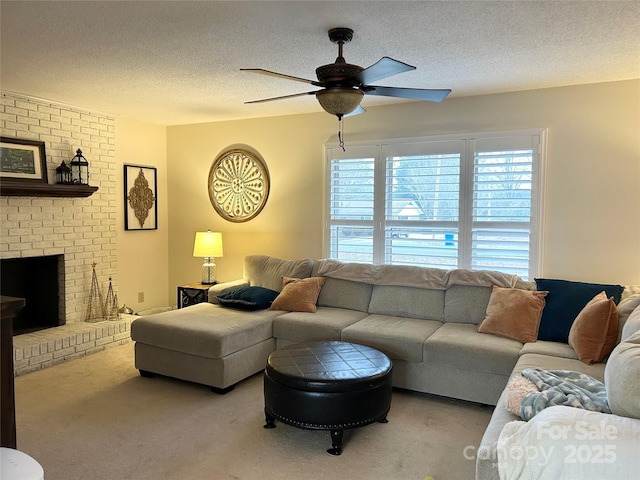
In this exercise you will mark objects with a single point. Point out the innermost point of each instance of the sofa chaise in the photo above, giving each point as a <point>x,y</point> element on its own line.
<point>442,330</point>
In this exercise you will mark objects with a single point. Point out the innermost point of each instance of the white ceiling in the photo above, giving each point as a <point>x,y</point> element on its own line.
<point>178,62</point>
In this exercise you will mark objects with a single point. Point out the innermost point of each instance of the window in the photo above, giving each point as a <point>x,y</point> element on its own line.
<point>470,201</point>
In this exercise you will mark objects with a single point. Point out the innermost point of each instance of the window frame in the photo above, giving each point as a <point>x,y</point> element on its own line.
<point>379,150</point>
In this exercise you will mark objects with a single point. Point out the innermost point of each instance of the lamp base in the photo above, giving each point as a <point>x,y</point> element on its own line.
<point>209,272</point>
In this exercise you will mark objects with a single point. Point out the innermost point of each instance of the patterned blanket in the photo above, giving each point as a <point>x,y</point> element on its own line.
<point>563,387</point>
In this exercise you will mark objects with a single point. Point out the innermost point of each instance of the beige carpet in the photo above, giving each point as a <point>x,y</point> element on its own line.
<point>95,418</point>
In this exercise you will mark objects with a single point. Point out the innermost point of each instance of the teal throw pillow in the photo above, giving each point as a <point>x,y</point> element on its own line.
<point>248,298</point>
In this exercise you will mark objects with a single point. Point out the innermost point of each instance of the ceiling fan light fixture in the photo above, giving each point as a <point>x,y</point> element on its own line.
<point>344,84</point>
<point>339,101</point>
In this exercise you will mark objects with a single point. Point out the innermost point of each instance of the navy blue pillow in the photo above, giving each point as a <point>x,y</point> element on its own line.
<point>248,298</point>
<point>565,301</point>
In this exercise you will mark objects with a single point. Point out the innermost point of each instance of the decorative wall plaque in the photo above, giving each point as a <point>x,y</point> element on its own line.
<point>141,202</point>
<point>238,185</point>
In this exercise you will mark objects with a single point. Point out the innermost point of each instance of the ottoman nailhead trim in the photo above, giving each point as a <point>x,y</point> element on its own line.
<point>326,426</point>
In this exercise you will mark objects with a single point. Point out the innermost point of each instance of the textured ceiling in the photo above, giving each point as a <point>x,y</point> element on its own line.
<point>178,62</point>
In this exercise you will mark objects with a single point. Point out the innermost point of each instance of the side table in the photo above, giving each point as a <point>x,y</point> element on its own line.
<point>193,293</point>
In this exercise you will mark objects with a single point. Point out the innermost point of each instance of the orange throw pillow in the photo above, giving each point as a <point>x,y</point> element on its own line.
<point>298,294</point>
<point>594,332</point>
<point>513,313</point>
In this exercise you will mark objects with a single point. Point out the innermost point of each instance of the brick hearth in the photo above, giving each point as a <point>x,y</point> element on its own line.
<point>45,348</point>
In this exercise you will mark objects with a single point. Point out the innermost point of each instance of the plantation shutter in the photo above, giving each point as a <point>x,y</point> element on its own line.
<point>422,203</point>
<point>458,201</point>
<point>503,203</point>
<point>351,205</point>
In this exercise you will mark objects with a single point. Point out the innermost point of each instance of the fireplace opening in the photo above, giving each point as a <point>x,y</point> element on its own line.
<point>37,280</point>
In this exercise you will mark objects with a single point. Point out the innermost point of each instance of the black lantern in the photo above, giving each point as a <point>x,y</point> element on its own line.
<point>63,173</point>
<point>79,169</point>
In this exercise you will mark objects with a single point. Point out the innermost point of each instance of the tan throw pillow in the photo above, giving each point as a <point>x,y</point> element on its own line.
<point>513,313</point>
<point>594,332</point>
<point>298,294</point>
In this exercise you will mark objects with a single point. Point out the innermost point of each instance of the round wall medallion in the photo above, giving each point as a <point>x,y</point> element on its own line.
<point>238,185</point>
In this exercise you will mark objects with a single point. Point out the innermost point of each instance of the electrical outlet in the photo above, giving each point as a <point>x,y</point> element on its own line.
<point>140,297</point>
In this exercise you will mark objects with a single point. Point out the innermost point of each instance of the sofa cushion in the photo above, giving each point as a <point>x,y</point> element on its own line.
<point>399,337</point>
<point>460,345</point>
<point>565,301</point>
<point>266,271</point>
<point>513,313</point>
<point>629,291</point>
<point>204,329</point>
<point>629,317</point>
<point>298,294</point>
<point>466,303</point>
<point>326,324</point>
<point>345,294</point>
<point>546,362</point>
<point>551,349</point>
<point>594,332</point>
<point>410,302</point>
<point>621,378</point>
<point>248,298</point>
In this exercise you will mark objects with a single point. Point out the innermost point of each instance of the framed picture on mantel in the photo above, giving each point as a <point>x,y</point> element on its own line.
<point>22,160</point>
<point>140,198</point>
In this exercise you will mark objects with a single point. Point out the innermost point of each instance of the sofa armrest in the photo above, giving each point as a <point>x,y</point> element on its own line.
<point>220,288</point>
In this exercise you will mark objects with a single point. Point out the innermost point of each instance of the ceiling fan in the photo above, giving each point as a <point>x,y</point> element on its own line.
<point>343,85</point>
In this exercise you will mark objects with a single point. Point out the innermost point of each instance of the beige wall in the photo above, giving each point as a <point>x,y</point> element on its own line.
<point>290,224</point>
<point>592,219</point>
<point>143,263</point>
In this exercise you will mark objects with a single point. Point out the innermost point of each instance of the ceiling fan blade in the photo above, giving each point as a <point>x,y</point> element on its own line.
<point>383,68</point>
<point>357,111</point>
<point>412,93</point>
<point>282,97</point>
<point>261,71</point>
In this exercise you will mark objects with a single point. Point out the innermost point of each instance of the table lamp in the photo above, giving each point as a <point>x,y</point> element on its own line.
<point>208,245</point>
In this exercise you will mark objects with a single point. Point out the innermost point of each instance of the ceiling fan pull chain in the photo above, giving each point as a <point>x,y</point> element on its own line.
<point>340,140</point>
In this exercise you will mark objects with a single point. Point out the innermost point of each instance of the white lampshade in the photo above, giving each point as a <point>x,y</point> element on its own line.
<point>208,245</point>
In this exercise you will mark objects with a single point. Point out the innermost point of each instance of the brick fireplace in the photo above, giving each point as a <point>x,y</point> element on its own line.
<point>38,281</point>
<point>82,230</point>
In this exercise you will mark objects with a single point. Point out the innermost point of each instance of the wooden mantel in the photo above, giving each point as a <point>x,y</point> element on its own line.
<point>27,189</point>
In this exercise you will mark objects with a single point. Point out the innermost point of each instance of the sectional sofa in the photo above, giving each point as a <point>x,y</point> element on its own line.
<point>445,332</point>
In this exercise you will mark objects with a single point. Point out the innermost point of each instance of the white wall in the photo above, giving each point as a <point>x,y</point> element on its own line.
<point>592,219</point>
<point>143,263</point>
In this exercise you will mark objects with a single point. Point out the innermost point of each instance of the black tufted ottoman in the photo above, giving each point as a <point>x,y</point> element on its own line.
<point>327,386</point>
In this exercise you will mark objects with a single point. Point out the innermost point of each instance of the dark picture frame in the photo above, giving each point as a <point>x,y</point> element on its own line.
<point>22,161</point>
<point>140,197</point>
